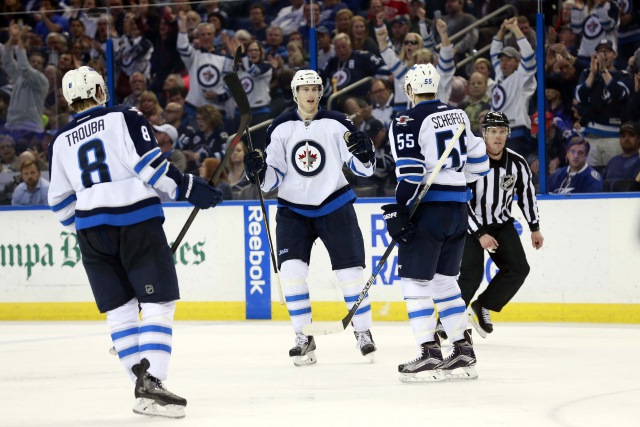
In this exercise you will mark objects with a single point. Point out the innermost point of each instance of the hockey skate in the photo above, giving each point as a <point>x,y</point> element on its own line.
<point>303,353</point>
<point>424,368</point>
<point>460,365</point>
<point>366,345</point>
<point>440,330</point>
<point>481,319</point>
<point>153,398</point>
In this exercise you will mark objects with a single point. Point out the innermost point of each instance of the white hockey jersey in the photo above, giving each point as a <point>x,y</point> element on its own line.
<point>104,167</point>
<point>305,160</point>
<point>418,138</point>
<point>255,80</point>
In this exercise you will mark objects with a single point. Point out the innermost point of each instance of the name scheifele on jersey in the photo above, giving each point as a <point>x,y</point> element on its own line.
<point>85,131</point>
<point>448,119</point>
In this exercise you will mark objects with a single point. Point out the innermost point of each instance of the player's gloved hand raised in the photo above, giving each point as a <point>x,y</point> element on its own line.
<point>198,192</point>
<point>255,163</point>
<point>398,225</point>
<point>359,144</point>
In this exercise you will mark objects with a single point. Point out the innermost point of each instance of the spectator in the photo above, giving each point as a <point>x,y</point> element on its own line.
<point>193,20</point>
<point>167,135</point>
<point>165,59</point>
<point>477,101</point>
<point>138,84</point>
<point>398,34</point>
<point>211,139</point>
<point>483,66</point>
<point>569,39</point>
<point>274,46</point>
<point>258,27</point>
<point>33,189</point>
<point>219,22</point>
<point>150,107</point>
<point>602,95</point>
<point>628,40</point>
<point>394,9</point>
<point>8,158</point>
<point>360,39</point>
<point>595,21</point>
<point>49,20</point>
<point>133,56</point>
<point>625,166</point>
<point>174,115</point>
<point>578,177</point>
<point>381,96</point>
<point>12,10</point>
<point>343,22</point>
<point>30,87</point>
<point>309,21</point>
<point>326,50</point>
<point>330,9</point>
<point>515,84</point>
<point>290,18</point>
<point>527,31</point>
<point>206,171</point>
<point>348,66</point>
<point>235,172</point>
<point>457,21</point>
<point>206,68</point>
<point>555,104</point>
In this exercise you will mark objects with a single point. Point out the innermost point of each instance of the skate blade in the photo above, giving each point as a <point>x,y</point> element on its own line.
<point>113,351</point>
<point>308,359</point>
<point>150,408</point>
<point>431,376</point>
<point>476,326</point>
<point>371,356</point>
<point>458,374</point>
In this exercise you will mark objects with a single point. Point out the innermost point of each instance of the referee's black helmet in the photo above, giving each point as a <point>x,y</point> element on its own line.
<point>495,119</point>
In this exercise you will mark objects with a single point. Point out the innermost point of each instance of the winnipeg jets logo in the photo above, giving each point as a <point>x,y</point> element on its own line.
<point>498,98</point>
<point>592,27</point>
<point>208,76</point>
<point>342,77</point>
<point>507,182</point>
<point>308,158</point>
<point>247,84</point>
<point>403,120</point>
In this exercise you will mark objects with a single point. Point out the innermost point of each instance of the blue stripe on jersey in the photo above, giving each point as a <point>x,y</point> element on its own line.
<point>156,328</point>
<point>409,162</point>
<point>120,219</point>
<point>121,334</point>
<point>146,159</point>
<point>362,310</point>
<point>300,312</point>
<point>69,220</point>
<point>63,204</point>
<point>530,57</point>
<point>477,159</point>
<point>451,311</point>
<point>438,301</point>
<point>353,166</point>
<point>128,351</point>
<point>533,67</point>
<point>293,298</point>
<point>155,347</point>
<point>159,173</point>
<point>421,313</point>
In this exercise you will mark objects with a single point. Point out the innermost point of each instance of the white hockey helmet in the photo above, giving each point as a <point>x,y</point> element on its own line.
<point>305,77</point>
<point>423,78</point>
<point>82,83</point>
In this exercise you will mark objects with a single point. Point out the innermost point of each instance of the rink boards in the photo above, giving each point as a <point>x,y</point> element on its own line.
<point>586,271</point>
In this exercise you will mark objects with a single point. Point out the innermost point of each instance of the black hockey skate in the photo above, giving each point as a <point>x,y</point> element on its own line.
<point>482,320</point>
<point>153,398</point>
<point>462,360</point>
<point>366,345</point>
<point>440,330</point>
<point>424,368</point>
<point>303,353</point>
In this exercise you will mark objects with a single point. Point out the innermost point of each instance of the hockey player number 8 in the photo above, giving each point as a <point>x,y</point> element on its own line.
<point>91,157</point>
<point>441,140</point>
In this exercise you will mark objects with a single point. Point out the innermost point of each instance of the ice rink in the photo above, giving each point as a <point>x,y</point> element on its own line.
<point>239,374</point>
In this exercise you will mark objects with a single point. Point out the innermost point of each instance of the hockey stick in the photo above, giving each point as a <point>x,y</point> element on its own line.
<point>339,326</point>
<point>240,96</point>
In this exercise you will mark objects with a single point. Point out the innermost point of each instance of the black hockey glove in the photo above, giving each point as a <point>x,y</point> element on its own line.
<point>198,192</point>
<point>361,147</point>
<point>398,225</point>
<point>255,163</point>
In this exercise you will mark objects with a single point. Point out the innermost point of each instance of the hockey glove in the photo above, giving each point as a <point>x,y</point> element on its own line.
<point>198,192</point>
<point>255,164</point>
<point>398,225</point>
<point>361,147</point>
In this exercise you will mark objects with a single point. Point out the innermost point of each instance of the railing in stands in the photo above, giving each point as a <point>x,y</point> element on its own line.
<point>347,89</point>
<point>252,129</point>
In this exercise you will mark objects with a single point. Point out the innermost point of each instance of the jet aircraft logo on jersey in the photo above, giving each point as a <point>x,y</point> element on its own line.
<point>308,157</point>
<point>403,120</point>
<point>507,182</point>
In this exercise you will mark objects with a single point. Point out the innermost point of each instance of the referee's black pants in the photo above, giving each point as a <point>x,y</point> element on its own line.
<point>509,258</point>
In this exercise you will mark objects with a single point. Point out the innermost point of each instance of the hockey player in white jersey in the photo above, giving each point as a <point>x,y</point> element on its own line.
<point>430,246</point>
<point>105,167</point>
<point>305,152</point>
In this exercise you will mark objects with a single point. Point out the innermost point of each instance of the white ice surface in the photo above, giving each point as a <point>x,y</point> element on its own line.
<point>239,374</point>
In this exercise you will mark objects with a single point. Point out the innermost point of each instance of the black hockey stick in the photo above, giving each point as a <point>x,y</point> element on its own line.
<point>240,96</point>
<point>324,328</point>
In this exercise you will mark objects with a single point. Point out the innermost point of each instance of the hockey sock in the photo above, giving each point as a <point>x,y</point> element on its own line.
<point>420,308</point>
<point>293,278</point>
<point>451,307</point>
<point>156,333</point>
<point>123,322</point>
<point>350,280</point>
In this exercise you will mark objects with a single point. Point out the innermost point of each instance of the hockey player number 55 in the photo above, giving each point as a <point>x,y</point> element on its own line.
<point>91,157</point>
<point>441,140</point>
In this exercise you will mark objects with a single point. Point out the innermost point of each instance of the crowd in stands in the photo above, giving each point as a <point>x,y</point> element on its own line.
<point>169,59</point>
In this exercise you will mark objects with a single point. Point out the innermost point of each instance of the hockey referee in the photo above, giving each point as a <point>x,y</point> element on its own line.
<point>491,226</point>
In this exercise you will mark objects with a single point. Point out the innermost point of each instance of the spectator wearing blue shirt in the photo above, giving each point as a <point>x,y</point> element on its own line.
<point>50,21</point>
<point>578,176</point>
<point>33,189</point>
<point>625,166</point>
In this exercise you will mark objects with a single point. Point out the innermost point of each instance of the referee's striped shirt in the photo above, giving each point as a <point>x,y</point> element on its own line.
<point>492,195</point>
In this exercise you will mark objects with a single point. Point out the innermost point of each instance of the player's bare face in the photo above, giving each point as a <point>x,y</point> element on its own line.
<point>308,98</point>
<point>495,139</point>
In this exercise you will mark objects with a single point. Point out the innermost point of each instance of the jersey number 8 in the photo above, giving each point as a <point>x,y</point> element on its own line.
<point>91,159</point>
